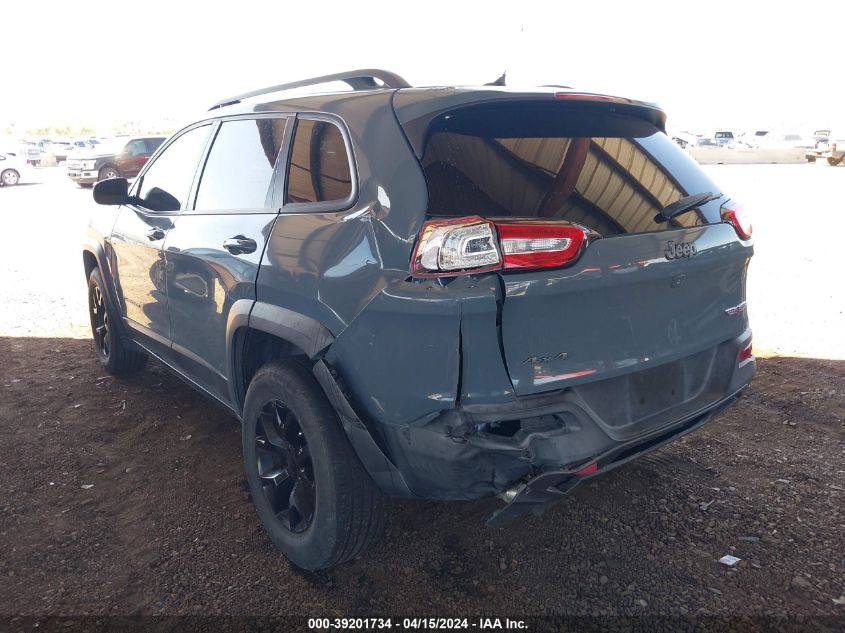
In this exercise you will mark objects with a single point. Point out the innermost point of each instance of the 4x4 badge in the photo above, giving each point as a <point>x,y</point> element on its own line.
<point>680,249</point>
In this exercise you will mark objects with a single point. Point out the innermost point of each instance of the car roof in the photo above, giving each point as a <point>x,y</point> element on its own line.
<point>409,102</point>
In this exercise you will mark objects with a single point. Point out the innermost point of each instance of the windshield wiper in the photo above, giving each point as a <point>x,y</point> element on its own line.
<point>687,203</point>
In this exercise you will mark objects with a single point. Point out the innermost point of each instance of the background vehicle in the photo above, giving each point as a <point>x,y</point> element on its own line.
<point>446,293</point>
<point>707,143</point>
<point>788,139</point>
<point>13,169</point>
<point>834,150</point>
<point>830,146</point>
<point>724,137</point>
<point>121,157</point>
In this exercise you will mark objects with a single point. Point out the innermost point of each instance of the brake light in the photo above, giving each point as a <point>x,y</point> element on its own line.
<point>472,244</point>
<point>833,147</point>
<point>528,245</point>
<point>588,96</point>
<point>745,354</point>
<point>735,214</point>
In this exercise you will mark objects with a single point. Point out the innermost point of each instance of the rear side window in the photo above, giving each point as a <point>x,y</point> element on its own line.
<point>153,144</point>
<point>135,148</point>
<point>319,164</point>
<point>166,185</point>
<point>239,169</point>
<point>610,173</point>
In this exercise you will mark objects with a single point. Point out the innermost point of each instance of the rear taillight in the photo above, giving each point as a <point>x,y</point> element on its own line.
<point>735,214</point>
<point>472,245</point>
<point>833,147</point>
<point>545,245</point>
<point>453,247</point>
<point>745,354</point>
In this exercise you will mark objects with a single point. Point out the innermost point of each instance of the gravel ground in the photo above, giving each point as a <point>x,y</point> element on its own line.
<point>126,496</point>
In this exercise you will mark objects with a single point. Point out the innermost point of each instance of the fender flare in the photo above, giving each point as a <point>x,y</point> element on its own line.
<point>96,249</point>
<point>300,330</point>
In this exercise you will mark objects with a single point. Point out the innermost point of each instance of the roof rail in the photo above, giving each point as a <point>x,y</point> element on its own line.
<point>364,79</point>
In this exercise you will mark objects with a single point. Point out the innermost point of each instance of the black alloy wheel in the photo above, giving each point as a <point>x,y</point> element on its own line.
<point>284,467</point>
<point>99,321</point>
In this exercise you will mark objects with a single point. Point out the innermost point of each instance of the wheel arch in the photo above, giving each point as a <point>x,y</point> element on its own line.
<point>257,332</point>
<point>94,256</point>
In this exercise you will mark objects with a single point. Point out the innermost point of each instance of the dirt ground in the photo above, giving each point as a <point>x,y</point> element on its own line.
<point>126,496</point>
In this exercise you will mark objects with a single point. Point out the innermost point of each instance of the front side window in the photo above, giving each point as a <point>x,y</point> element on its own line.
<point>319,164</point>
<point>240,165</point>
<point>166,185</point>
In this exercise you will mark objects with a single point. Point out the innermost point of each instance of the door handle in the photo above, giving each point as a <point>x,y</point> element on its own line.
<point>239,245</point>
<point>156,233</point>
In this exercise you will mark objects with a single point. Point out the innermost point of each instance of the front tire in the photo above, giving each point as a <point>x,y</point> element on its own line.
<point>113,353</point>
<point>108,172</point>
<point>314,498</point>
<point>9,177</point>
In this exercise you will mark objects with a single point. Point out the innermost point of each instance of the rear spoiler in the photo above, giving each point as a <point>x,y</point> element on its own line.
<point>417,109</point>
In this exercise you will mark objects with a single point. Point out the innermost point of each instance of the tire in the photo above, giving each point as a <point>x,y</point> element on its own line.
<point>833,162</point>
<point>328,512</point>
<point>113,353</point>
<point>85,185</point>
<point>811,159</point>
<point>9,177</point>
<point>107,172</point>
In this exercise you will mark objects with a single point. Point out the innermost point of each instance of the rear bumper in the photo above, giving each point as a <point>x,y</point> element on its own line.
<point>548,487</point>
<point>531,445</point>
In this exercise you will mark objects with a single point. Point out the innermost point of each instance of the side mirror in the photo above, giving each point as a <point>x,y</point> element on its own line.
<point>112,191</point>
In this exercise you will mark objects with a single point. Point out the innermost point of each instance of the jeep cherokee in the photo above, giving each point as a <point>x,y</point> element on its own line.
<point>442,293</point>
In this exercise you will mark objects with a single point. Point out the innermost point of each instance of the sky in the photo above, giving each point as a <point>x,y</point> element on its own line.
<point>740,64</point>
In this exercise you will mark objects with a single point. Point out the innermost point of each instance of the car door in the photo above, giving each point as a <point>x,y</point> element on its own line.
<point>214,249</point>
<point>138,236</point>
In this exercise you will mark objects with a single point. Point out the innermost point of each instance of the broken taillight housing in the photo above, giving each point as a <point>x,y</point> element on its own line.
<point>734,214</point>
<point>473,244</point>
<point>450,247</point>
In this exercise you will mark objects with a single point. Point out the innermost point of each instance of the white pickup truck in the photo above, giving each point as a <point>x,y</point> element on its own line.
<point>832,149</point>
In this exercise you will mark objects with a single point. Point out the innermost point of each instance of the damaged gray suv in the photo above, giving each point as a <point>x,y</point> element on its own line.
<point>440,293</point>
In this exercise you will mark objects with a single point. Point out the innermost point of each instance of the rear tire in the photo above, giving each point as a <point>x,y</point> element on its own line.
<point>113,353</point>
<point>296,454</point>
<point>833,162</point>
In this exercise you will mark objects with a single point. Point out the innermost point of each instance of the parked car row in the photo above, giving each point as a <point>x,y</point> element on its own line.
<point>821,144</point>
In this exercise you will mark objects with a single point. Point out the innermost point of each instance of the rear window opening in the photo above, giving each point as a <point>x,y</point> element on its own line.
<point>575,162</point>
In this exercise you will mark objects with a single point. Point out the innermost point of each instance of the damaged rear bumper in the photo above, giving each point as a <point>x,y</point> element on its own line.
<point>548,487</point>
